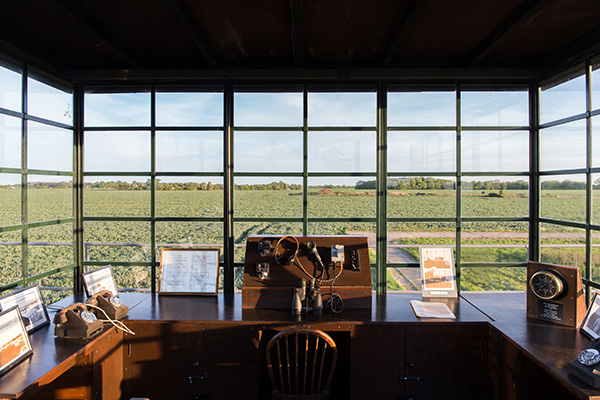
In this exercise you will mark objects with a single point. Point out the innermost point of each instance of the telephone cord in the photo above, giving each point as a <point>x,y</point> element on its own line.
<point>117,324</point>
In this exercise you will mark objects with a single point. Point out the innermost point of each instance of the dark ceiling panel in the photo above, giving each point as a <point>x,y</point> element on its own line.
<point>446,32</point>
<point>149,29</point>
<point>353,32</point>
<point>247,33</point>
<point>558,24</point>
<point>67,45</point>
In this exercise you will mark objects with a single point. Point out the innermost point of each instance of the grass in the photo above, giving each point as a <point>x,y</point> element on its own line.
<point>54,204</point>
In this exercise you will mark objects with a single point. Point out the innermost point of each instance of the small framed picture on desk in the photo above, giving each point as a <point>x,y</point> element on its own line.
<point>189,271</point>
<point>14,340</point>
<point>31,305</point>
<point>591,323</point>
<point>98,280</point>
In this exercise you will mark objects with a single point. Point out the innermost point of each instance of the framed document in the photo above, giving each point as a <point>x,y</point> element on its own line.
<point>14,340</point>
<point>98,280</point>
<point>591,323</point>
<point>438,273</point>
<point>189,271</point>
<point>31,305</point>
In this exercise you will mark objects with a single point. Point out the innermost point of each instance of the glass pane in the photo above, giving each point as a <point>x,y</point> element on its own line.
<point>117,109</point>
<point>493,278</point>
<point>341,151</point>
<point>422,151</point>
<point>421,197</point>
<point>117,241</point>
<point>403,242</point>
<point>563,100</point>
<point>117,151</point>
<point>491,151</point>
<point>563,197</point>
<point>421,109</point>
<point>10,199</point>
<point>49,148</point>
<point>595,272</point>
<point>49,197</point>
<point>495,108</point>
<point>268,151</point>
<point>123,196</point>
<point>342,109</point>
<point>340,198</point>
<point>268,109</point>
<point>189,109</point>
<point>563,245</point>
<point>495,197</point>
<point>10,142</point>
<point>189,197</point>
<point>49,103</point>
<point>62,281</point>
<point>491,242</point>
<point>268,197</point>
<point>596,87</point>
<point>187,151</point>
<point>132,277</point>
<point>49,247</point>
<point>10,89</point>
<point>10,257</point>
<point>563,146</point>
<point>596,140</point>
<point>174,234</point>
<point>596,199</point>
<point>244,229</point>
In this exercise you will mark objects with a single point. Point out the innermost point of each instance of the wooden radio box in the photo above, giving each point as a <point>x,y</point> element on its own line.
<point>275,265</point>
<point>555,294</point>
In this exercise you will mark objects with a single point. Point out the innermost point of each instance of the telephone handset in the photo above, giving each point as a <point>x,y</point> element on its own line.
<point>111,305</point>
<point>587,365</point>
<point>76,321</point>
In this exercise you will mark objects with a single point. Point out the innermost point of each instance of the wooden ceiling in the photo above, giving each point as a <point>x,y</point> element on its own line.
<point>72,36</point>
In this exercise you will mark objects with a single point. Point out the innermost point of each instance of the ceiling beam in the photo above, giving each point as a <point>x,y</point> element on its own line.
<point>91,26</point>
<point>298,33</point>
<point>406,24</point>
<point>296,75</point>
<point>517,18</point>
<point>575,52</point>
<point>194,32</point>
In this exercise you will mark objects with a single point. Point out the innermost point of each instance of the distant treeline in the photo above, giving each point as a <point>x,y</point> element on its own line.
<point>408,183</point>
<point>421,183</point>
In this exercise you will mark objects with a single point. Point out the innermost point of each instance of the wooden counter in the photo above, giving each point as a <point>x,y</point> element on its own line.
<point>188,346</point>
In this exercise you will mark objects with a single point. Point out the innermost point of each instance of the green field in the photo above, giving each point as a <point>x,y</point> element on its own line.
<point>128,241</point>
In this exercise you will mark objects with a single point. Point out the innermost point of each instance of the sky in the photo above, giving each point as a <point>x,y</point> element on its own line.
<point>345,149</point>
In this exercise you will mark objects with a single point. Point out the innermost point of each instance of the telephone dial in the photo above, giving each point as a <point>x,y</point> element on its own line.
<point>111,305</point>
<point>587,365</point>
<point>77,321</point>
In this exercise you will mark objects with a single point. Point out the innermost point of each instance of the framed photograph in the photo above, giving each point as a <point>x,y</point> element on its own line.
<point>438,273</point>
<point>31,305</point>
<point>591,323</point>
<point>14,340</point>
<point>189,271</point>
<point>98,280</point>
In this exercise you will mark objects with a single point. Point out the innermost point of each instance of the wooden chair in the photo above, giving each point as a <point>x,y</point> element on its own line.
<point>301,363</point>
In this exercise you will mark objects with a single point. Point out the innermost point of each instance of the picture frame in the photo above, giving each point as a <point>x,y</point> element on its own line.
<point>98,280</point>
<point>190,271</point>
<point>31,305</point>
<point>591,322</point>
<point>14,339</point>
<point>438,272</point>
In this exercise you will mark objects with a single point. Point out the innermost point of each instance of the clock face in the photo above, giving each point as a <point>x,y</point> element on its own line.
<point>546,285</point>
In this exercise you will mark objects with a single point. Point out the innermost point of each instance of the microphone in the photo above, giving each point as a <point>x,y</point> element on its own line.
<point>312,247</point>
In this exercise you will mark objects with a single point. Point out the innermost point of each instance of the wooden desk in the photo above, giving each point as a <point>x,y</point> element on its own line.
<point>490,351</point>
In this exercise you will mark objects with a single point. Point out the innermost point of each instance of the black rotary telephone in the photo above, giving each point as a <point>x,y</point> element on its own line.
<point>587,365</point>
<point>111,305</point>
<point>76,321</point>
